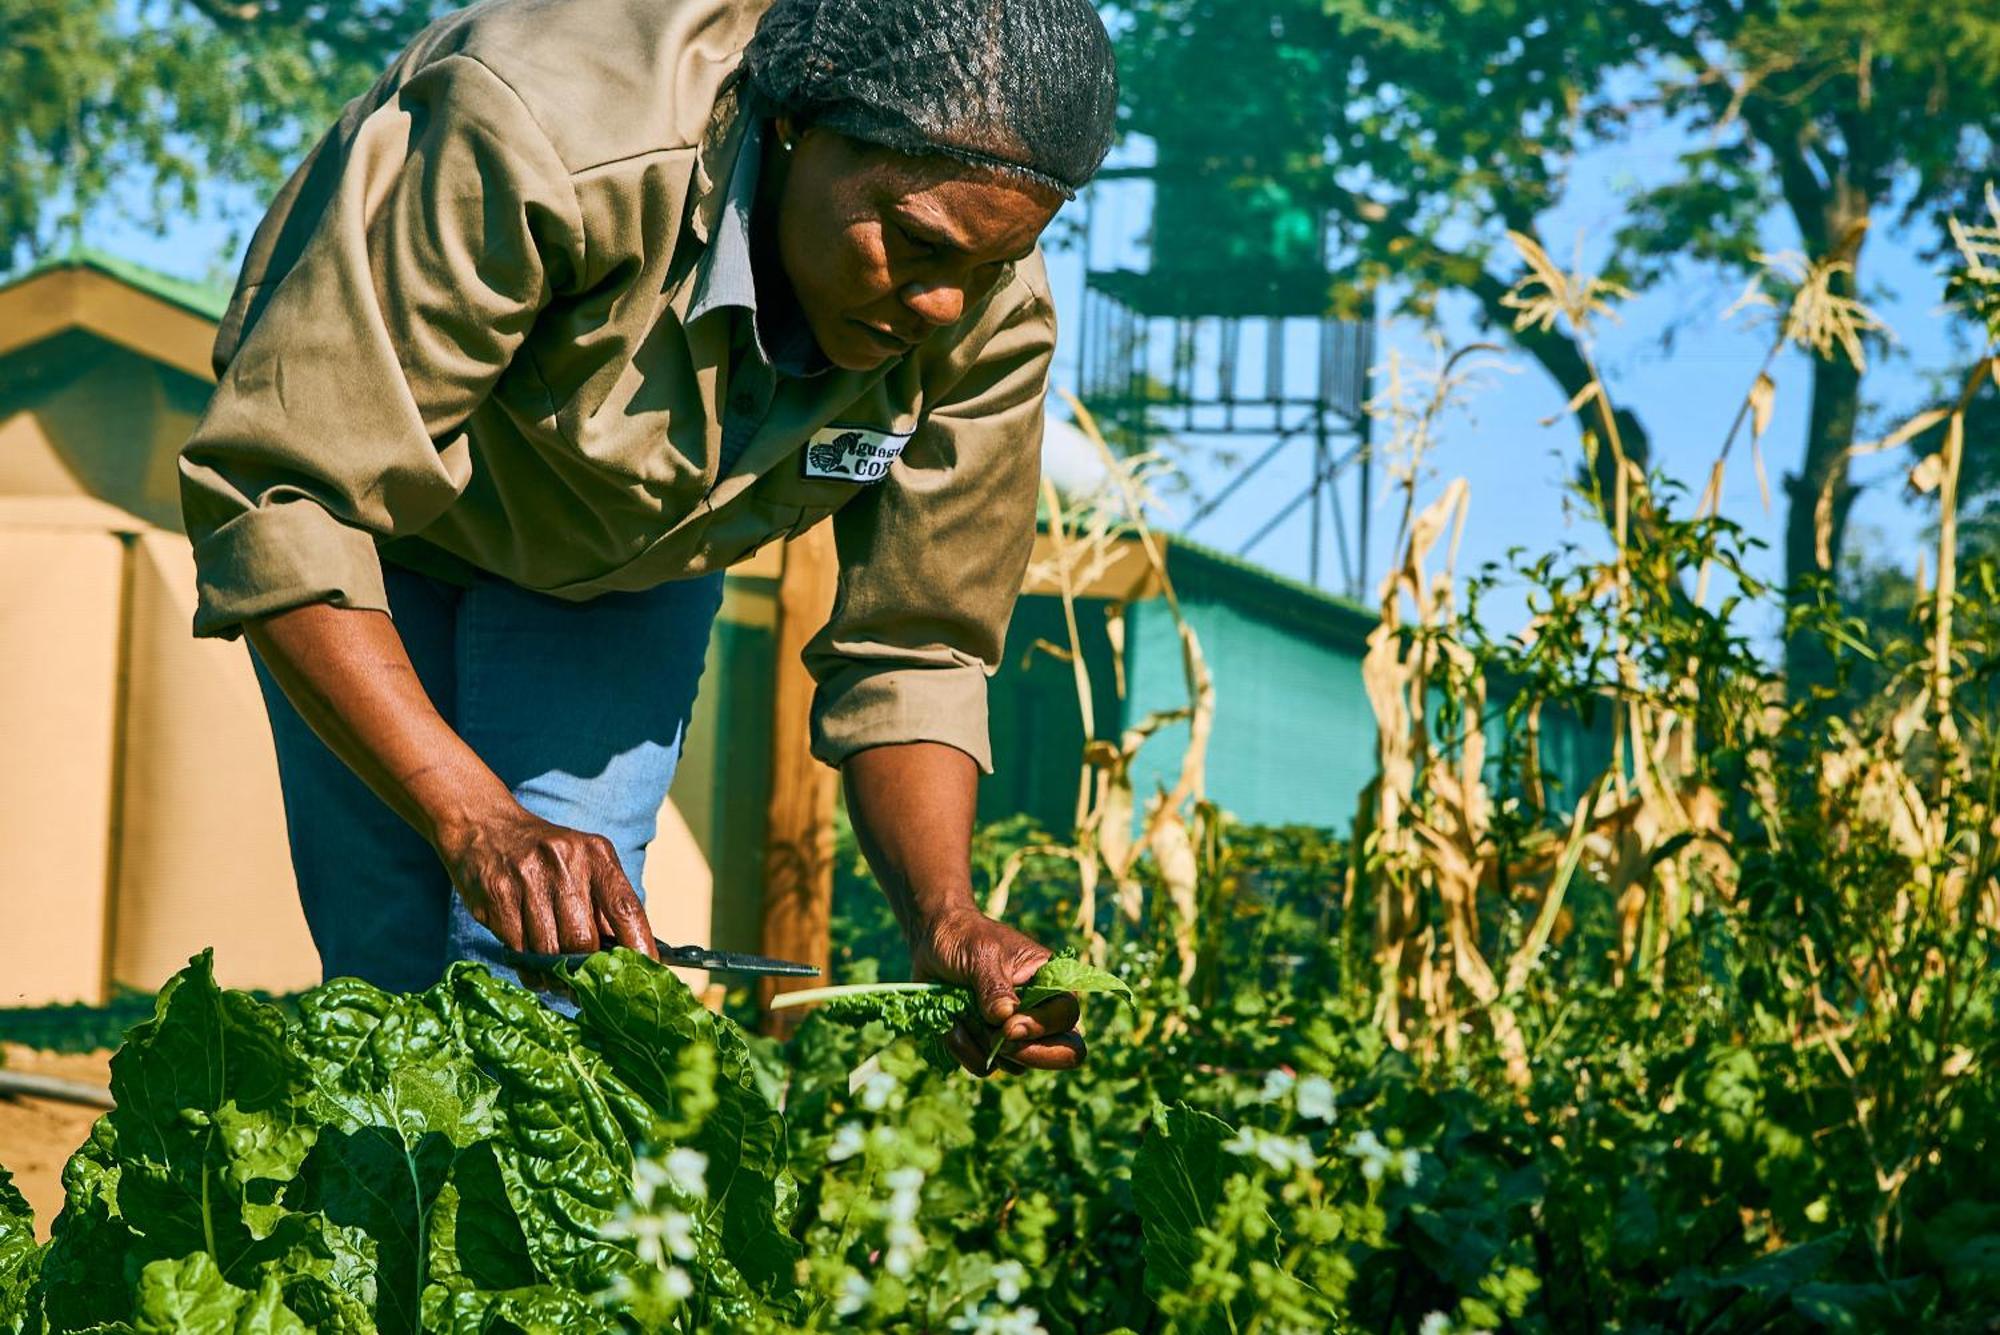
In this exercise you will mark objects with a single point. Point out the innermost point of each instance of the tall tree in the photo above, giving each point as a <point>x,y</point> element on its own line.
<point>146,106</point>
<point>1429,128</point>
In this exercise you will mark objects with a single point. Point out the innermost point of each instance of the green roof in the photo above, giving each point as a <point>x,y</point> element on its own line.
<point>1351,618</point>
<point>207,300</point>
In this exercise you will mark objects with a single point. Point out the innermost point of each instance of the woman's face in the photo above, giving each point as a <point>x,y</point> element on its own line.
<point>882,248</point>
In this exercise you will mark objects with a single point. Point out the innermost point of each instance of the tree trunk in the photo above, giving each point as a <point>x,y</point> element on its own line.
<point>1836,405</point>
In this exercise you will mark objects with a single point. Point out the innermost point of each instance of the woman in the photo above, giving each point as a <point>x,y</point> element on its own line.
<point>582,302</point>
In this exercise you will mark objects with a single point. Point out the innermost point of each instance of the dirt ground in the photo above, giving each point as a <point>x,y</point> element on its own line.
<point>37,1136</point>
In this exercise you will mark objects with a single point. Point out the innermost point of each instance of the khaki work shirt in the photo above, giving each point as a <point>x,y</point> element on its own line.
<point>468,336</point>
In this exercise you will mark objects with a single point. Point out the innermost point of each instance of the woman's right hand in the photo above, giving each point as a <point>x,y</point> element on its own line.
<point>542,887</point>
<point>535,885</point>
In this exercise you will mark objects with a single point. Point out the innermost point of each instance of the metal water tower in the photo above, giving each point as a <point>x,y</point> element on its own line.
<point>1231,330</point>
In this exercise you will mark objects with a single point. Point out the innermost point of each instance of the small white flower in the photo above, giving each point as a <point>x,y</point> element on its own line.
<point>645,1228</point>
<point>1282,1154</point>
<point>848,1140</point>
<point>648,1176</point>
<point>1008,1277</point>
<point>1277,1084</point>
<point>853,1296</point>
<point>1023,1321</point>
<point>677,1231</point>
<point>1315,1098</point>
<point>1378,1159</point>
<point>1286,1154</point>
<point>677,1284</point>
<point>898,1262</point>
<point>876,1091</point>
<point>1001,1321</point>
<point>1368,1148</point>
<point>1437,1323</point>
<point>688,1171</point>
<point>906,1186</point>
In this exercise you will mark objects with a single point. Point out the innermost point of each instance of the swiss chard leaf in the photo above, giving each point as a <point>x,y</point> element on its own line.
<point>563,1139</point>
<point>190,1294</point>
<point>658,1036</point>
<point>20,1254</point>
<point>537,1310</point>
<point>400,1096</point>
<point>210,1124</point>
<point>82,1281</point>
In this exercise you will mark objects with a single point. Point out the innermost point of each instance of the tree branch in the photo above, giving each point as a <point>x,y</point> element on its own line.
<point>224,14</point>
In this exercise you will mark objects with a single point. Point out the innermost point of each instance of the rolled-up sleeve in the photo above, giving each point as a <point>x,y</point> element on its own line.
<point>931,560</point>
<point>444,221</point>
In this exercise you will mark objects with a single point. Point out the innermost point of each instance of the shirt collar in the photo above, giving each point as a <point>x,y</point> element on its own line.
<point>726,275</point>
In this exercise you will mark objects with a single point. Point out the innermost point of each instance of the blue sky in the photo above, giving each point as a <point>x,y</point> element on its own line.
<point>1686,396</point>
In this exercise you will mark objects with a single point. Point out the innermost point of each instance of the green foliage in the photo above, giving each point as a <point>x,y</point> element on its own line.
<point>642,1019</point>
<point>1178,1185</point>
<point>1426,130</point>
<point>1776,1113</point>
<point>79,1027</point>
<point>1679,1160</point>
<point>160,104</point>
<point>190,1294</point>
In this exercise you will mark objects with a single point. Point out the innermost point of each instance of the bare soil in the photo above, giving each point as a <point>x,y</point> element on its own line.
<point>37,1136</point>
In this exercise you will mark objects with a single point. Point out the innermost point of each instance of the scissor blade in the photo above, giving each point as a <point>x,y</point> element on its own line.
<point>729,961</point>
<point>685,957</point>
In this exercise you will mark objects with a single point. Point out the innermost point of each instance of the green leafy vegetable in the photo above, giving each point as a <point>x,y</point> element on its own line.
<point>927,1011</point>
<point>20,1255</point>
<point>1177,1184</point>
<point>1066,973</point>
<point>454,1159</point>
<point>695,1069</point>
<point>190,1294</point>
<point>921,1010</point>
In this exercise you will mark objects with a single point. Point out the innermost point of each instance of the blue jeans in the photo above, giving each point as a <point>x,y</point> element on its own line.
<point>580,708</point>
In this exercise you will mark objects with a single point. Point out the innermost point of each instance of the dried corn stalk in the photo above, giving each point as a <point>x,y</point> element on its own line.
<point>1085,543</point>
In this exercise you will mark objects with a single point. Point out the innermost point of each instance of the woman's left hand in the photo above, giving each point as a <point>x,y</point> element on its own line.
<point>966,947</point>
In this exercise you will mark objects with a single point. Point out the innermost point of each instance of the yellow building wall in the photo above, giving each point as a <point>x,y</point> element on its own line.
<point>202,856</point>
<point>59,615</point>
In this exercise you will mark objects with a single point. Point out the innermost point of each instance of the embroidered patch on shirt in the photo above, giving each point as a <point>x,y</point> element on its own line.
<point>853,454</point>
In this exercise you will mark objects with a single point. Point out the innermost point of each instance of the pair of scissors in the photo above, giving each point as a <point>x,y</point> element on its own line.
<point>685,957</point>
